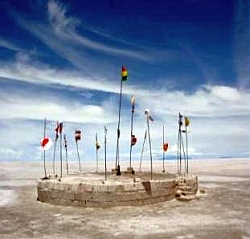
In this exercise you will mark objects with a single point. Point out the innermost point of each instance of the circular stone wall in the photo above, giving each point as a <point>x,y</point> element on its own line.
<point>90,190</point>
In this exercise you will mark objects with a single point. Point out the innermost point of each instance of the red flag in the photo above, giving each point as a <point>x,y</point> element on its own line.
<point>58,129</point>
<point>165,147</point>
<point>77,134</point>
<point>133,140</point>
<point>46,143</point>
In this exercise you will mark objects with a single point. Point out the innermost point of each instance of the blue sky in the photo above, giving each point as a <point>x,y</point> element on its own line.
<point>62,60</point>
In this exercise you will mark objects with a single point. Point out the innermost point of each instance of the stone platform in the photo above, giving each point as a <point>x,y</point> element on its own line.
<point>92,190</point>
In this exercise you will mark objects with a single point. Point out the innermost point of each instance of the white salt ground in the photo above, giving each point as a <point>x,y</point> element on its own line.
<point>222,212</point>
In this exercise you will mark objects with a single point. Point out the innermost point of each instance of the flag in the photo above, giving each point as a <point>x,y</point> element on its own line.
<point>124,73</point>
<point>187,121</point>
<point>133,140</point>
<point>77,134</point>
<point>180,120</point>
<point>58,129</point>
<point>65,142</point>
<point>148,115</point>
<point>133,104</point>
<point>165,147</point>
<point>46,143</point>
<point>97,145</point>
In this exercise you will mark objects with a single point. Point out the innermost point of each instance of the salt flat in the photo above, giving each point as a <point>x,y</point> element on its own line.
<point>222,212</point>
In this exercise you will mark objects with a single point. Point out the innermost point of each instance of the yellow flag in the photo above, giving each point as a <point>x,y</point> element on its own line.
<point>187,122</point>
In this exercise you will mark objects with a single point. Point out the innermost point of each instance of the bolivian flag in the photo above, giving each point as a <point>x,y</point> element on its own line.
<point>124,73</point>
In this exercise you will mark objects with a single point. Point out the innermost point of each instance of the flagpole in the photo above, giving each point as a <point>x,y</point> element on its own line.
<point>179,143</point>
<point>186,146</point>
<point>131,133</point>
<point>149,140</point>
<point>142,150</point>
<point>61,153</point>
<point>105,153</point>
<point>96,153</point>
<point>78,156</point>
<point>66,154</point>
<point>44,164</point>
<point>117,162</point>
<point>54,155</point>
<point>163,154</point>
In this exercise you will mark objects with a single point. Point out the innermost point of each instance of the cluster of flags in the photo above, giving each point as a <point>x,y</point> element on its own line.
<point>46,142</point>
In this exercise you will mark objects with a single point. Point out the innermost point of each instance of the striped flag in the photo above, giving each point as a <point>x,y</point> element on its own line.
<point>124,73</point>
<point>77,134</point>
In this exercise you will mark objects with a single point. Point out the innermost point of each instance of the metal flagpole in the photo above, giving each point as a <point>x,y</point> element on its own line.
<point>61,125</point>
<point>186,146</point>
<point>44,155</point>
<point>163,151</point>
<point>117,162</point>
<point>184,154</point>
<point>66,154</point>
<point>54,153</point>
<point>79,163</point>
<point>78,137</point>
<point>131,133</point>
<point>179,144</point>
<point>96,145</point>
<point>105,153</point>
<point>142,150</point>
<point>186,125</point>
<point>149,140</point>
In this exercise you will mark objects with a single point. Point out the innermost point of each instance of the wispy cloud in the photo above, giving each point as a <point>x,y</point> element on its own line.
<point>242,41</point>
<point>8,45</point>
